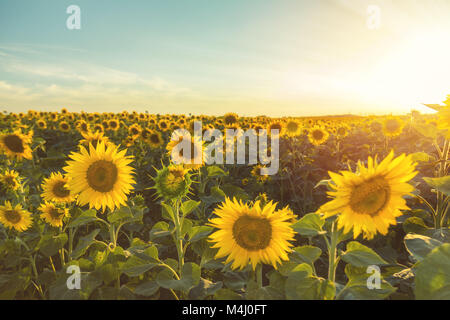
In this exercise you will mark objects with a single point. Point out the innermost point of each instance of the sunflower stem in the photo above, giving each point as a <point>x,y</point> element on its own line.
<point>332,253</point>
<point>258,273</point>
<point>178,240</point>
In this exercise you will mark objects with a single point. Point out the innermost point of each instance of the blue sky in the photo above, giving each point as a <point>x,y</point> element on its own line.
<point>279,58</point>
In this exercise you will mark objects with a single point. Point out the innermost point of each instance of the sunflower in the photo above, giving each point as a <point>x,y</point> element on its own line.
<point>15,217</point>
<point>64,126</point>
<point>82,126</point>
<point>256,234</point>
<point>114,124</point>
<point>41,124</point>
<point>53,214</point>
<point>172,182</point>
<point>230,118</point>
<point>163,125</point>
<point>98,127</point>
<point>276,125</point>
<point>54,188</point>
<point>318,135</point>
<point>154,139</point>
<point>93,138</point>
<point>134,130</point>
<point>16,144</point>
<point>101,176</point>
<point>10,180</point>
<point>393,126</point>
<point>342,131</point>
<point>370,199</point>
<point>293,128</point>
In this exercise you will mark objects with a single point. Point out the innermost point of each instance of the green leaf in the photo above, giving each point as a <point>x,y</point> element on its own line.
<point>215,171</point>
<point>301,285</point>
<point>49,245</point>
<point>84,218</point>
<point>441,184</point>
<point>432,279</point>
<point>159,230</point>
<point>190,277</point>
<point>147,289</point>
<point>309,225</point>
<point>359,255</point>
<point>84,243</point>
<point>227,294</point>
<point>357,286</point>
<point>167,212</point>
<point>186,227</point>
<point>306,254</point>
<point>420,246</point>
<point>121,215</point>
<point>415,225</point>
<point>204,289</point>
<point>141,262</point>
<point>199,232</point>
<point>189,206</point>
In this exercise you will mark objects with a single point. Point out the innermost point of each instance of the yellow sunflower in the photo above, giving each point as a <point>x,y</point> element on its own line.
<point>53,214</point>
<point>54,188</point>
<point>101,176</point>
<point>369,200</point>
<point>41,124</point>
<point>318,135</point>
<point>154,139</point>
<point>9,180</point>
<point>64,126</point>
<point>15,217</point>
<point>251,234</point>
<point>16,144</point>
<point>93,138</point>
<point>276,125</point>
<point>293,128</point>
<point>230,118</point>
<point>114,124</point>
<point>393,126</point>
<point>342,131</point>
<point>134,130</point>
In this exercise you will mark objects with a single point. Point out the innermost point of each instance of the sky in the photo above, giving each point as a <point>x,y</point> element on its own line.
<point>254,57</point>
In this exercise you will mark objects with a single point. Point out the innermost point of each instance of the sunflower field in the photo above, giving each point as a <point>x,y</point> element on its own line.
<point>92,207</point>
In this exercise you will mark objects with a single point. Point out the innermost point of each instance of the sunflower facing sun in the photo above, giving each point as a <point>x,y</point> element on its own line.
<point>54,188</point>
<point>101,176</point>
<point>16,145</point>
<point>317,135</point>
<point>252,234</point>
<point>53,214</point>
<point>15,217</point>
<point>369,200</point>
